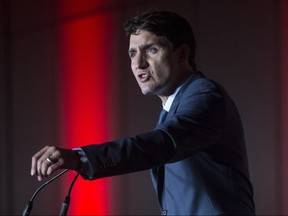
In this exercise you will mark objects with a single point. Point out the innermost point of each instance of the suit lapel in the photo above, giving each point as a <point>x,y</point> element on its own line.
<point>176,101</point>
<point>159,172</point>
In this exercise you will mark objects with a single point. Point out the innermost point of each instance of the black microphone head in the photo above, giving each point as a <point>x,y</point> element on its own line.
<point>65,206</point>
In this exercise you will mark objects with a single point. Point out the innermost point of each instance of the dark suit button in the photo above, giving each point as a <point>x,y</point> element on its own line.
<point>164,212</point>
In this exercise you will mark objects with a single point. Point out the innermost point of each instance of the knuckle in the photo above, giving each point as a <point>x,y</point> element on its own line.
<point>34,158</point>
<point>50,148</point>
<point>39,163</point>
<point>53,149</point>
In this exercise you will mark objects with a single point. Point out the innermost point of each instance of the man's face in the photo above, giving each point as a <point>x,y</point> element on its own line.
<point>154,63</point>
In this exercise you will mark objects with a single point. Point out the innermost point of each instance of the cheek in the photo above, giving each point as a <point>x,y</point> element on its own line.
<point>134,72</point>
<point>132,68</point>
<point>161,69</point>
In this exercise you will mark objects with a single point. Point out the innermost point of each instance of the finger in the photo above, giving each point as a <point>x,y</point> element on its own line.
<point>50,164</point>
<point>39,168</point>
<point>42,163</point>
<point>35,159</point>
<point>53,167</point>
<point>65,158</point>
<point>44,166</point>
<point>59,158</point>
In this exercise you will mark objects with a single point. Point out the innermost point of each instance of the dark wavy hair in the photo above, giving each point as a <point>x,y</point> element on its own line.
<point>164,23</point>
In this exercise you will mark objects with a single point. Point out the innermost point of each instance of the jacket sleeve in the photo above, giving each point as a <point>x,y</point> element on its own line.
<point>130,154</point>
<point>193,126</point>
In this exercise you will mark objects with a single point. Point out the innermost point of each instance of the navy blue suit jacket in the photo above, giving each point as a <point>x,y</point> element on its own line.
<point>199,149</point>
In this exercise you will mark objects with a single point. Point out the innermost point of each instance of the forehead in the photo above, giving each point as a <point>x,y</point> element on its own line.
<point>143,37</point>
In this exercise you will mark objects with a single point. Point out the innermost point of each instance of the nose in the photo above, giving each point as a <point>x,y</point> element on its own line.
<point>140,61</point>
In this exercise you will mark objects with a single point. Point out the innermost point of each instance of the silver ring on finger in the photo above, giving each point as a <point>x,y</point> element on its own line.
<point>51,161</point>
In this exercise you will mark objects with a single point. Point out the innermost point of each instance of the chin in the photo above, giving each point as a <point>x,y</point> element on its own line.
<point>146,92</point>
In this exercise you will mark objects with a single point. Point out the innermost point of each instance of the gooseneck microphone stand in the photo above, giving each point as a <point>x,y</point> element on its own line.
<point>65,205</point>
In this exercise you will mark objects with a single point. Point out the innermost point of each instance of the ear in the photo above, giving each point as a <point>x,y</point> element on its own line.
<point>183,53</point>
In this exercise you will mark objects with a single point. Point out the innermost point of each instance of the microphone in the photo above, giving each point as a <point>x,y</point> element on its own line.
<point>27,210</point>
<point>66,202</point>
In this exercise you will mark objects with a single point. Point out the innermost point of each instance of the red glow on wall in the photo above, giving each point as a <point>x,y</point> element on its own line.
<point>284,101</point>
<point>84,47</point>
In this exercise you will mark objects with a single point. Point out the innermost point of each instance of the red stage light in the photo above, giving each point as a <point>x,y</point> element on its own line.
<point>84,47</point>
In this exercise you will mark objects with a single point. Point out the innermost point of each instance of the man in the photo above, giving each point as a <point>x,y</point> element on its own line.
<point>196,153</point>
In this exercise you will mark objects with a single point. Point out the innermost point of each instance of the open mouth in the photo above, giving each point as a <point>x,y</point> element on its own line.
<point>143,77</point>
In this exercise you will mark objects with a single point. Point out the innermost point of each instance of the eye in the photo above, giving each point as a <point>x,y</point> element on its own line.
<point>132,54</point>
<point>152,50</point>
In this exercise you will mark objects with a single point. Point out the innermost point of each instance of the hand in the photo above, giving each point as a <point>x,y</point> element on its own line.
<point>51,158</point>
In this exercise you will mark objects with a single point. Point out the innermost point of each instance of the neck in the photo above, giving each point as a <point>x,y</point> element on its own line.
<point>180,81</point>
<point>163,99</point>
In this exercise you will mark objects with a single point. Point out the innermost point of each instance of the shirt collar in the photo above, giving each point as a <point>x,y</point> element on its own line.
<point>170,100</point>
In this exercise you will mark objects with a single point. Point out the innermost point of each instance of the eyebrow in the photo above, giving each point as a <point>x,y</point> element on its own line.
<point>142,47</point>
<point>146,46</point>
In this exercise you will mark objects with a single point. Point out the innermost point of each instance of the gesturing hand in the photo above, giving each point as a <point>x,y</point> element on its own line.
<point>51,158</point>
